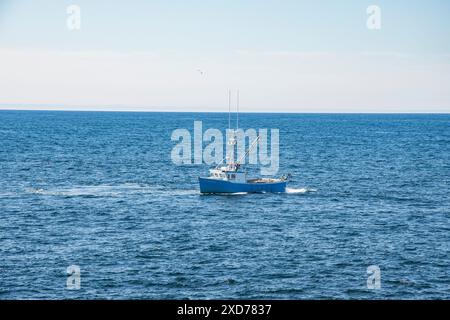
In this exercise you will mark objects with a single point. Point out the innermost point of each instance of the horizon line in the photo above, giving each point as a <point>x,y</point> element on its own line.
<point>245,112</point>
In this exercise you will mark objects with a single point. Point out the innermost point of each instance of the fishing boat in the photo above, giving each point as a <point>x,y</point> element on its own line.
<point>231,178</point>
<point>228,179</point>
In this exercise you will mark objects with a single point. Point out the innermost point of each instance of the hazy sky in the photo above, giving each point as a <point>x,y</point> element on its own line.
<point>292,55</point>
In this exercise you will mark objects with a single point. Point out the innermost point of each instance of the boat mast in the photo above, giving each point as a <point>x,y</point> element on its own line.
<point>237,110</point>
<point>232,141</point>
<point>229,109</point>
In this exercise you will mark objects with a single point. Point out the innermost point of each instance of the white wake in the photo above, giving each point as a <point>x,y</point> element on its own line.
<point>301,190</point>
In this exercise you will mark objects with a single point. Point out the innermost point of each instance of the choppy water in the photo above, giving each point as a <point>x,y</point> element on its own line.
<point>98,190</point>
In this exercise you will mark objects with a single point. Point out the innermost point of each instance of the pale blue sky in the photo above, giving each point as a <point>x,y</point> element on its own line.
<point>294,56</point>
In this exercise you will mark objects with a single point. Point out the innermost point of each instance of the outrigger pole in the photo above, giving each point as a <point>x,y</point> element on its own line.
<point>254,143</point>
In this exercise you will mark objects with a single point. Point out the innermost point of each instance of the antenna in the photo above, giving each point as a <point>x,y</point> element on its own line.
<point>237,113</point>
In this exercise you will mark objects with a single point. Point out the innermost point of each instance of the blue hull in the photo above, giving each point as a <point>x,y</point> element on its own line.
<point>208,185</point>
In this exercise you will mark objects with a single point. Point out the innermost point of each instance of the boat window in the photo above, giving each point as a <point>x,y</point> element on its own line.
<point>233,176</point>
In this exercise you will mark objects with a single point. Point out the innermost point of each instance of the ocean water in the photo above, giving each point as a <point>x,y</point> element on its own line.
<point>99,190</point>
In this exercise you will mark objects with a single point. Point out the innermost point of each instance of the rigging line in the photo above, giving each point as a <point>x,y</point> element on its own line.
<point>254,143</point>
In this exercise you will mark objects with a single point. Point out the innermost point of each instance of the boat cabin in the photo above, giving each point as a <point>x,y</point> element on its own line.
<point>224,173</point>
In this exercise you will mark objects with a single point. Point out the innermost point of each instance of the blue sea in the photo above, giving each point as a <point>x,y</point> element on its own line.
<point>99,190</point>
